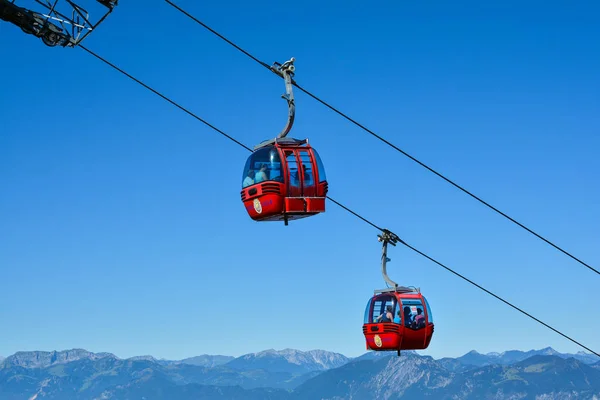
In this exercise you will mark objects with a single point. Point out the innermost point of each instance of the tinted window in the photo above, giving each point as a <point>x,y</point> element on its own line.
<point>262,165</point>
<point>320,167</point>
<point>248,174</point>
<point>307,167</point>
<point>380,306</point>
<point>430,317</point>
<point>292,164</point>
<point>413,314</point>
<point>367,311</point>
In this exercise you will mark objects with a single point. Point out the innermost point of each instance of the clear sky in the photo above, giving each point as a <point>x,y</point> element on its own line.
<point>121,225</point>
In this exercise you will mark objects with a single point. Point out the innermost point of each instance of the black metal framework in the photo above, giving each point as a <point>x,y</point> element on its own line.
<point>52,25</point>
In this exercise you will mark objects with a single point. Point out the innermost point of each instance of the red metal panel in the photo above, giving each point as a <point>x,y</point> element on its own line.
<point>315,204</point>
<point>265,206</point>
<point>295,205</point>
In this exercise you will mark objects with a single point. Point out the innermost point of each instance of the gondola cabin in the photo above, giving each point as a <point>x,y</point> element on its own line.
<point>284,179</point>
<point>398,320</point>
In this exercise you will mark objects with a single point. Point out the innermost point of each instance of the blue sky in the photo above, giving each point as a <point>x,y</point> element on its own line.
<point>121,225</point>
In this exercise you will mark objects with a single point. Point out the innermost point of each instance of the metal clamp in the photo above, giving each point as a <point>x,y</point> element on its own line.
<point>388,236</point>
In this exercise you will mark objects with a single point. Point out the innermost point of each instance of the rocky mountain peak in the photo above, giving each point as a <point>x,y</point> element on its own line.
<point>548,351</point>
<point>43,359</point>
<point>142,358</point>
<point>288,360</point>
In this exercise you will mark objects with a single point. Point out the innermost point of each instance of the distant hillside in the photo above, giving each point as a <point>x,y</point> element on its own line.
<point>289,360</point>
<point>513,356</point>
<point>158,388</point>
<point>34,373</point>
<point>414,377</point>
<point>296,375</point>
<point>111,378</point>
<point>43,359</point>
<point>206,360</point>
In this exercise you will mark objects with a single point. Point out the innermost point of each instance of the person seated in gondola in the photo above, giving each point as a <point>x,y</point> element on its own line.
<point>249,180</point>
<point>397,318</point>
<point>419,319</point>
<point>261,175</point>
<point>408,320</point>
<point>294,178</point>
<point>388,316</point>
<point>308,178</point>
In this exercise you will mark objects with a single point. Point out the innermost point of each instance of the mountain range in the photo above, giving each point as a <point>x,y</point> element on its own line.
<point>293,374</point>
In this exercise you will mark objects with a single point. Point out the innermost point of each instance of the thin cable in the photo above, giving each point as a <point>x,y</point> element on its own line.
<point>202,120</point>
<point>355,214</point>
<point>339,204</point>
<point>386,141</point>
<point>497,297</point>
<point>165,97</point>
<point>219,35</point>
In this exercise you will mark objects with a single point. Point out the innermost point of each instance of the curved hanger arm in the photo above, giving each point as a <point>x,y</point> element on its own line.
<point>286,71</point>
<point>386,237</point>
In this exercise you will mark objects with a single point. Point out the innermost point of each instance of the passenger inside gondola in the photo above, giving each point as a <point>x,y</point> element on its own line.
<point>261,175</point>
<point>414,315</point>
<point>419,319</point>
<point>388,316</point>
<point>382,309</point>
<point>266,165</point>
<point>308,175</point>
<point>294,178</point>
<point>407,316</point>
<point>249,179</point>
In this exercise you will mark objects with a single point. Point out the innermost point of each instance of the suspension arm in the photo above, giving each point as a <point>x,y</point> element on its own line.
<point>387,237</point>
<point>286,71</point>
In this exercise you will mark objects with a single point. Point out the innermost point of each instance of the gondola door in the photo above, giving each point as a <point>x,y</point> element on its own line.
<point>414,319</point>
<point>301,182</point>
<point>309,188</point>
<point>294,201</point>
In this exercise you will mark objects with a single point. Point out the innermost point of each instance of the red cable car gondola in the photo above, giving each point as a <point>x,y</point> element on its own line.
<point>284,178</point>
<point>396,318</point>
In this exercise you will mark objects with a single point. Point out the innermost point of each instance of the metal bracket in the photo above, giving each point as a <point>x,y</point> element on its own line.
<point>398,289</point>
<point>391,238</point>
<point>286,71</point>
<point>80,22</point>
<point>284,141</point>
<point>52,26</point>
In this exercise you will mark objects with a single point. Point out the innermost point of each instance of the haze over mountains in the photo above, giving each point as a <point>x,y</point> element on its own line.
<point>292,374</point>
<point>206,360</point>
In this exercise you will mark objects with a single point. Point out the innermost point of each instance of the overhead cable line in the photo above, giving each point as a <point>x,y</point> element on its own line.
<point>164,97</point>
<point>267,66</point>
<point>336,202</point>
<point>496,296</point>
